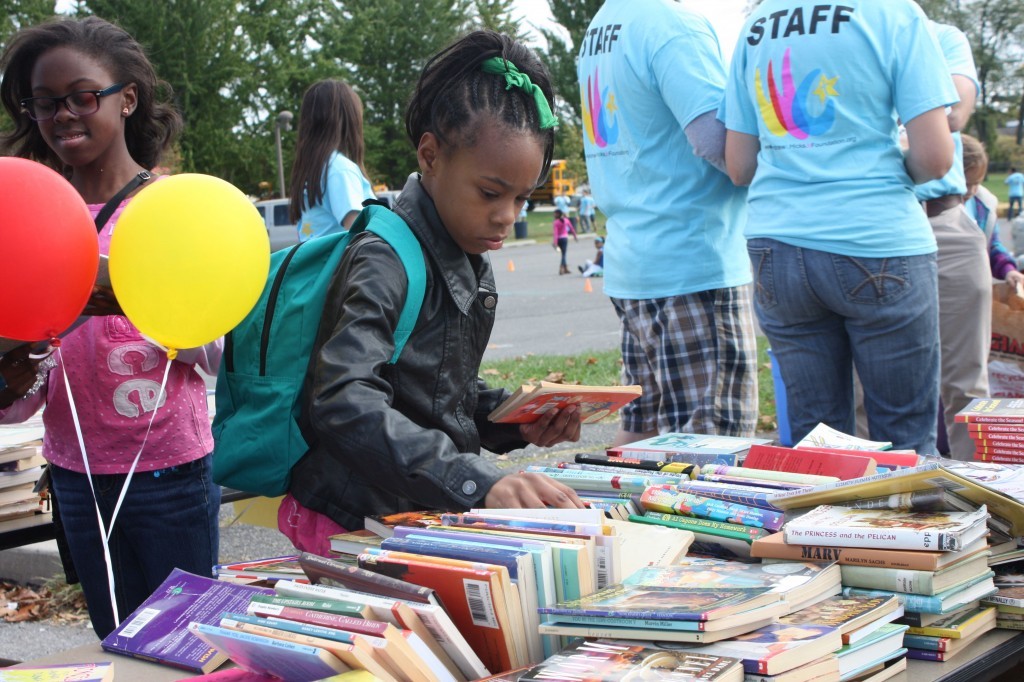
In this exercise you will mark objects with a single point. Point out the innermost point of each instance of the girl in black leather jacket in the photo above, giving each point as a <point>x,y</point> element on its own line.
<point>388,438</point>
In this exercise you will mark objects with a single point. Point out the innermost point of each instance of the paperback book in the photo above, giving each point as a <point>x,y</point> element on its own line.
<point>993,411</point>
<point>777,648</point>
<point>942,603</point>
<point>266,656</point>
<point>609,661</point>
<point>960,625</point>
<point>848,527</point>
<point>852,616</point>
<point>843,465</point>
<point>158,630</point>
<point>824,436</point>
<point>674,447</point>
<point>675,502</point>
<point>72,672</point>
<point>529,403</point>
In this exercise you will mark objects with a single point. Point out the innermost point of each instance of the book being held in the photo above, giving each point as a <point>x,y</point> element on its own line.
<point>847,527</point>
<point>595,403</point>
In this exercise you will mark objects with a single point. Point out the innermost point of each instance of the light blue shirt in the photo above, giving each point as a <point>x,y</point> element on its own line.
<point>960,62</point>
<point>1016,183</point>
<point>562,203</point>
<point>821,86</point>
<point>587,205</point>
<point>345,190</point>
<point>646,69</point>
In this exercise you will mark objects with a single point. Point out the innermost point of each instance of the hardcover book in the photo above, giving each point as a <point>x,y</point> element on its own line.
<point>917,582</point>
<point>847,527</point>
<point>777,648</point>
<point>266,656</point>
<point>671,447</point>
<point>608,661</point>
<point>775,547</point>
<point>529,403</point>
<point>158,630</point>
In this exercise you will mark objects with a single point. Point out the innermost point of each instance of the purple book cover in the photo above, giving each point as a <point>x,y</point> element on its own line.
<point>158,630</point>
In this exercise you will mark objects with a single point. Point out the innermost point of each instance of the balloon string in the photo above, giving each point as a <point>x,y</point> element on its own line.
<point>88,474</point>
<point>107,531</point>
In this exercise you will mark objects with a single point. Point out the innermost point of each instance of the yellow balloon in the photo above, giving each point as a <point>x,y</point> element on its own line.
<point>188,259</point>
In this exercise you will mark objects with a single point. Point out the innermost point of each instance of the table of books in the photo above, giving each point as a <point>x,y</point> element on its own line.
<point>993,654</point>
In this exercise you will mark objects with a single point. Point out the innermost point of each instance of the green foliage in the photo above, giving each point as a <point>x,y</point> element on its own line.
<point>386,43</point>
<point>573,16</point>
<point>497,16</point>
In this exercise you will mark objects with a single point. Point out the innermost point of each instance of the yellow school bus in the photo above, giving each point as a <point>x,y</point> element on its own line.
<point>560,181</point>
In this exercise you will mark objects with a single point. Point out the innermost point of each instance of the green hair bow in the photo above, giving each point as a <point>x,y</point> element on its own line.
<point>516,78</point>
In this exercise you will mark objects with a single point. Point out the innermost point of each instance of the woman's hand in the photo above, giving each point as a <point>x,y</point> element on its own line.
<point>102,302</point>
<point>17,375</point>
<point>554,426</point>
<point>527,490</point>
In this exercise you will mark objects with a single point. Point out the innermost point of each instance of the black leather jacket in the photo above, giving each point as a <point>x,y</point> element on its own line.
<point>388,438</point>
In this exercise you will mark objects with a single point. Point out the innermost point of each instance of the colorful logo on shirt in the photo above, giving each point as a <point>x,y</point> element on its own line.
<point>599,108</point>
<point>788,109</point>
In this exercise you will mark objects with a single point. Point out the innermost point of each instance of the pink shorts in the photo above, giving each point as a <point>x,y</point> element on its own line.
<point>308,530</point>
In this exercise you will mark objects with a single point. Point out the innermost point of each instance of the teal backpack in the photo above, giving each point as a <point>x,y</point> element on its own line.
<point>255,430</point>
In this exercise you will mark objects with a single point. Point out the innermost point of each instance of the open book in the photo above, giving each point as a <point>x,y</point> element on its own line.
<point>530,402</point>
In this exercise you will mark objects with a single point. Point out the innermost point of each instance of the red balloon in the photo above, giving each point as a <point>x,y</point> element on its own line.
<point>50,252</point>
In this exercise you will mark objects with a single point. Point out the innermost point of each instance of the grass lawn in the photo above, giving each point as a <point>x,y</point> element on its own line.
<point>604,369</point>
<point>995,183</point>
<point>540,224</point>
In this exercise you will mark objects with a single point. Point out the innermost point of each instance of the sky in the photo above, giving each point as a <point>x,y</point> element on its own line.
<point>725,15</point>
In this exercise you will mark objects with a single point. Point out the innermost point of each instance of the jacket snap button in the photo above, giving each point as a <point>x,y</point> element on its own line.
<point>469,487</point>
<point>490,302</point>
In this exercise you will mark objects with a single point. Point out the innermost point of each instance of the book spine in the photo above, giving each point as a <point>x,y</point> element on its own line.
<point>620,621</point>
<point>747,497</point>
<point>848,556</point>
<point>697,459</point>
<point>768,474</point>
<point>911,602</point>
<point>1016,429</point>
<point>926,655</point>
<point>809,530</point>
<point>1008,601</point>
<point>594,480</point>
<point>654,477</point>
<point>890,579</point>
<point>885,476</point>
<point>667,501</point>
<point>925,642</point>
<point>730,530</point>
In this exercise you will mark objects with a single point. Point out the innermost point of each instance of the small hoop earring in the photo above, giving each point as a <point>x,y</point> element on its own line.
<point>126,111</point>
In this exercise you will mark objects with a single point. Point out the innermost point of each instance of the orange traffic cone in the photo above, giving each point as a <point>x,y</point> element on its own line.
<point>511,266</point>
<point>587,286</point>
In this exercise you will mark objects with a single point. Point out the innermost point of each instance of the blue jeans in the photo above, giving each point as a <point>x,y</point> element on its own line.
<point>825,314</point>
<point>168,520</point>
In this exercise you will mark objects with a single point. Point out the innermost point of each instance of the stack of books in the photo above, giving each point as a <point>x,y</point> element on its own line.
<point>940,640</point>
<point>20,468</point>
<point>263,571</point>
<point>694,600</point>
<point>300,631</point>
<point>996,425</point>
<point>689,448</point>
<point>1009,605</point>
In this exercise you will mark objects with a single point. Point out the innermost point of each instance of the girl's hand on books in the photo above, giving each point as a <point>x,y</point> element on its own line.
<point>554,426</point>
<point>527,490</point>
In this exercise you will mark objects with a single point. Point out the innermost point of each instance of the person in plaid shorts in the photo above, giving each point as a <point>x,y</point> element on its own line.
<point>651,76</point>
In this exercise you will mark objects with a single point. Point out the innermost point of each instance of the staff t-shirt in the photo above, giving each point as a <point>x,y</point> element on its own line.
<point>646,69</point>
<point>960,62</point>
<point>345,190</point>
<point>821,86</point>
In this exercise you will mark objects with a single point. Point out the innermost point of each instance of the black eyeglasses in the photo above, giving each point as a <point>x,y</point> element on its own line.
<point>81,103</point>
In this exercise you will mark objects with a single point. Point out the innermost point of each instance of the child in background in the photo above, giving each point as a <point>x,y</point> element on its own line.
<point>391,438</point>
<point>328,180</point>
<point>83,99</point>
<point>561,228</point>
<point>595,268</point>
<point>981,205</point>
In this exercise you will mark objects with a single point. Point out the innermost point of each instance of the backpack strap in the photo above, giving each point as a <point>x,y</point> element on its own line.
<point>380,220</point>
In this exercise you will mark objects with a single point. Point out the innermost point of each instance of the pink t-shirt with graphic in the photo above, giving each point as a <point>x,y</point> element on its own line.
<point>115,376</point>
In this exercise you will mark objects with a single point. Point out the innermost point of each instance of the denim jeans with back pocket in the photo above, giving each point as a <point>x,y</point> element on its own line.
<point>825,313</point>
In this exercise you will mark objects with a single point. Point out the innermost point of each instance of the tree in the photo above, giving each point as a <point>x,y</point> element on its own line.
<point>497,16</point>
<point>385,43</point>
<point>573,16</point>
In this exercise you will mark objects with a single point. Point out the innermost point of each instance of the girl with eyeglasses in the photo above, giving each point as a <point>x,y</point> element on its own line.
<point>84,100</point>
